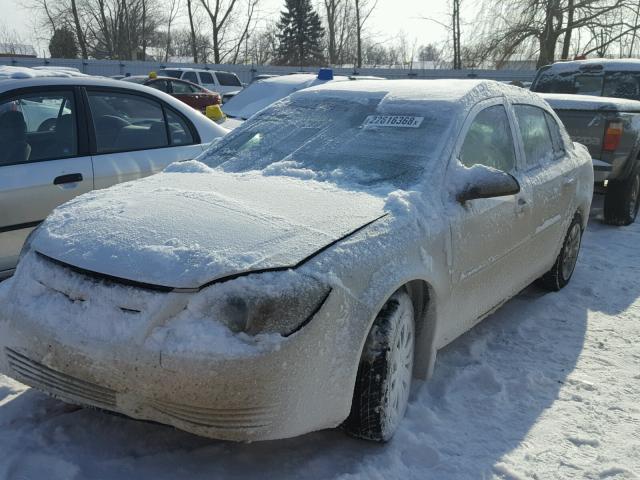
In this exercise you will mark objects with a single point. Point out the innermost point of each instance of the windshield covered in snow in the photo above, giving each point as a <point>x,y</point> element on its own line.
<point>336,140</point>
<point>259,95</point>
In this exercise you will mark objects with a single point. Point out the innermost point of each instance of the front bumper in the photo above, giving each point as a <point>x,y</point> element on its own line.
<point>304,384</point>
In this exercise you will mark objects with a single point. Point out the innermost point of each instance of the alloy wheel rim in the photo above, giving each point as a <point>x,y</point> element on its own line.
<point>571,249</point>
<point>400,372</point>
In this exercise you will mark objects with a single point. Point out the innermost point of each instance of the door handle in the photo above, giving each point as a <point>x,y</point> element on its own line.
<point>70,178</point>
<point>567,182</point>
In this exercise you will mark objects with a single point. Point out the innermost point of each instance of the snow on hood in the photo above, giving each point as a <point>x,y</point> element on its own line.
<point>192,225</point>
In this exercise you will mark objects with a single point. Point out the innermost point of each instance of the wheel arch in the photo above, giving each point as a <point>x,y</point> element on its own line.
<point>422,295</point>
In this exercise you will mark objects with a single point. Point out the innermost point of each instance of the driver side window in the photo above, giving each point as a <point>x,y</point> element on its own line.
<point>489,141</point>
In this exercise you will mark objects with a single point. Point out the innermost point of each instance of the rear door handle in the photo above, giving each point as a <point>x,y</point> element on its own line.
<point>70,178</point>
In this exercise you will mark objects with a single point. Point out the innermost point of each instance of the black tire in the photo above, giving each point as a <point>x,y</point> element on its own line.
<point>622,200</point>
<point>384,375</point>
<point>562,271</point>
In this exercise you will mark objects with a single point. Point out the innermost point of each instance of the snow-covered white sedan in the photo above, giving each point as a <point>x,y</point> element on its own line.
<point>63,134</point>
<point>300,272</point>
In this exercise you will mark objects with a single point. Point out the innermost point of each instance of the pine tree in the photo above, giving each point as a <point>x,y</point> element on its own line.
<point>63,44</point>
<point>300,35</point>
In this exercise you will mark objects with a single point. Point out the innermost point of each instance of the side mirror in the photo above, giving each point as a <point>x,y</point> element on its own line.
<point>486,182</point>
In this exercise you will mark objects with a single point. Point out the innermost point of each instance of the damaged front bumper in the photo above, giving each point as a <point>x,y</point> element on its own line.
<point>282,389</point>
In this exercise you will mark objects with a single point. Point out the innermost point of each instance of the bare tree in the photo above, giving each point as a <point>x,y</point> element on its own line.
<point>263,46</point>
<point>246,30</point>
<point>339,17</point>
<point>218,12</point>
<point>522,25</point>
<point>171,16</point>
<point>455,29</point>
<point>363,10</point>
<point>12,43</point>
<point>192,31</point>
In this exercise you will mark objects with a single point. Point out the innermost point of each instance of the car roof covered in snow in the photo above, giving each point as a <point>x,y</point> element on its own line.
<point>8,84</point>
<point>421,94</point>
<point>566,101</point>
<point>260,94</point>
<point>607,64</point>
<point>8,72</point>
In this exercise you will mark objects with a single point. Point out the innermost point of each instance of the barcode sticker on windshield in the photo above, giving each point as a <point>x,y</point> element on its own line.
<point>401,121</point>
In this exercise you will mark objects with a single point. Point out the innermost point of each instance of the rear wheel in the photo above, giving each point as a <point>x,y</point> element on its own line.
<point>384,376</point>
<point>622,200</point>
<point>562,270</point>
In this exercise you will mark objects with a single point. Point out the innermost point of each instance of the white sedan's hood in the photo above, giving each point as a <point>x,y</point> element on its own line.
<point>185,229</point>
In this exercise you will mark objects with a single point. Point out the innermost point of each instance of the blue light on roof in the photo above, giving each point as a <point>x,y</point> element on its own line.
<point>325,74</point>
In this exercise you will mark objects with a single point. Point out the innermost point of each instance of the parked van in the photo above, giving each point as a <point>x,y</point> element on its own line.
<point>226,83</point>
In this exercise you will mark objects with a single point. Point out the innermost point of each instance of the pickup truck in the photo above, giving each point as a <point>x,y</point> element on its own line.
<point>609,127</point>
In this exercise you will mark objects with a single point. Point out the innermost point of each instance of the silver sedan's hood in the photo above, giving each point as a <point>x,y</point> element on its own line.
<point>186,229</point>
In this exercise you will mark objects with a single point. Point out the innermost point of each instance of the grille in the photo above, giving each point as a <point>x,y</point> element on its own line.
<point>57,383</point>
<point>237,418</point>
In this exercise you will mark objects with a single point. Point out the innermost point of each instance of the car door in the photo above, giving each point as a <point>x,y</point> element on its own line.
<point>190,76</point>
<point>550,173</point>
<point>207,81</point>
<point>186,93</point>
<point>227,82</point>
<point>44,161</point>
<point>133,135</point>
<point>160,84</point>
<point>489,236</point>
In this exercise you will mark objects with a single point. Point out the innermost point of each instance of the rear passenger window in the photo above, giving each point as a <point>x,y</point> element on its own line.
<point>228,79</point>
<point>178,129</point>
<point>181,88</point>
<point>190,76</point>
<point>489,141</point>
<point>161,85</point>
<point>206,77</point>
<point>125,122</point>
<point>536,138</point>
<point>35,127</point>
<point>556,136</point>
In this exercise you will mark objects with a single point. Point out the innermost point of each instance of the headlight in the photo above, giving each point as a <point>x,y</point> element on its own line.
<point>278,302</point>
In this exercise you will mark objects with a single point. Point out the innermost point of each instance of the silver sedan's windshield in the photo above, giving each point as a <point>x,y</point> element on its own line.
<point>337,140</point>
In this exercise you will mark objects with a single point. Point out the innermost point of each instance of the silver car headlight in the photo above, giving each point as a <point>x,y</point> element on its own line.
<point>278,302</point>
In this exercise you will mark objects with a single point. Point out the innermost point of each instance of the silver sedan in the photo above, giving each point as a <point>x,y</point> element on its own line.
<point>303,270</point>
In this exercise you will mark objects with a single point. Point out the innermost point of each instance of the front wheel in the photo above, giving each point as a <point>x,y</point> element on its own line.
<point>384,376</point>
<point>562,270</point>
<point>622,200</point>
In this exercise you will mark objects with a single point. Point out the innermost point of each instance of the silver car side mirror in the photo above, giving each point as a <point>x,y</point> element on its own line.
<point>490,183</point>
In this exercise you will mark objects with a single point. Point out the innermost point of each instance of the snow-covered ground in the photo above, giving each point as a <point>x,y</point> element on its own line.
<point>546,388</point>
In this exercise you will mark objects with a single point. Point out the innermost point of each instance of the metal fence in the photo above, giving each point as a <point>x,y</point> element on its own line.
<point>247,72</point>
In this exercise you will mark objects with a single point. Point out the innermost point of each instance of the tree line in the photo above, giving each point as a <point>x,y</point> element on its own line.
<point>486,34</point>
